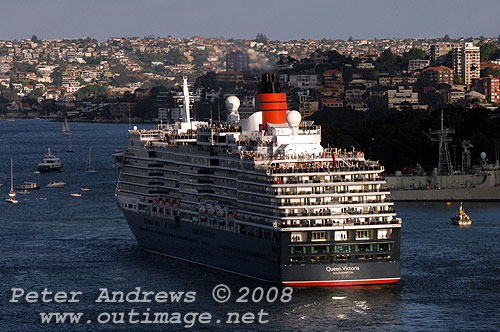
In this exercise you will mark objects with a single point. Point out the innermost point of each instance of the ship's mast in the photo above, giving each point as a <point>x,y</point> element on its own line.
<point>466,155</point>
<point>440,136</point>
<point>185,109</point>
<point>11,176</point>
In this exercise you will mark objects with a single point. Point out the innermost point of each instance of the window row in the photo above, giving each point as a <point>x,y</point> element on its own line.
<point>368,234</point>
<point>357,248</point>
<point>340,258</point>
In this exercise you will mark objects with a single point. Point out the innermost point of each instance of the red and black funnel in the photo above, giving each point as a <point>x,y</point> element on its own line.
<point>271,101</point>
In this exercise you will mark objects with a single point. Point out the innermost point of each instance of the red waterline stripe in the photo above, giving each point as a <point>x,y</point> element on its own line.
<point>339,283</point>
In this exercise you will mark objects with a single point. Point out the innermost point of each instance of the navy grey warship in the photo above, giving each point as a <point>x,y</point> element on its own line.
<point>445,183</point>
<point>260,197</point>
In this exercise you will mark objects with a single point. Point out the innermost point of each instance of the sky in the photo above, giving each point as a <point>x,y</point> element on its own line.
<point>277,19</point>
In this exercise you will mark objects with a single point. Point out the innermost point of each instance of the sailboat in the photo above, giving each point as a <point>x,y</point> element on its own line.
<point>65,128</point>
<point>67,132</point>
<point>88,165</point>
<point>70,147</point>
<point>12,193</point>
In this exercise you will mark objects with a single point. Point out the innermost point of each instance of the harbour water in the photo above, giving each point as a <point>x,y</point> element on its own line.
<point>450,275</point>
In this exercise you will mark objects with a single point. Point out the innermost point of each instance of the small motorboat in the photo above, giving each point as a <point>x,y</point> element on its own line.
<point>75,195</point>
<point>28,185</point>
<point>461,218</point>
<point>56,184</point>
<point>23,192</point>
<point>84,189</point>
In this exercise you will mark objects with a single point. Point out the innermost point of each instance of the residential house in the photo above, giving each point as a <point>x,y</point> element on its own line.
<point>439,75</point>
<point>417,64</point>
<point>332,102</point>
<point>403,97</point>
<point>304,81</point>
<point>333,78</point>
<point>308,108</point>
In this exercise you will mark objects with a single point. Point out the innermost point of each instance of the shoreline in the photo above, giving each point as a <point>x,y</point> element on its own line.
<point>135,120</point>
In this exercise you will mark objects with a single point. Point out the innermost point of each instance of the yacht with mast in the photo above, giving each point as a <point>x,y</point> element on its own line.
<point>70,146</point>
<point>66,131</point>
<point>88,164</point>
<point>12,194</point>
<point>260,197</point>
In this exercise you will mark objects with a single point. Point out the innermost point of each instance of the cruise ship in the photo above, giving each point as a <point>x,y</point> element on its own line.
<point>260,197</point>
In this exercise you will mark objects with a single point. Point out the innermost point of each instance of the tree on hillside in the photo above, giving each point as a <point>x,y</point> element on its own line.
<point>413,54</point>
<point>495,72</point>
<point>34,39</point>
<point>261,38</point>
<point>387,62</point>
<point>92,90</point>
<point>488,51</point>
<point>56,76</point>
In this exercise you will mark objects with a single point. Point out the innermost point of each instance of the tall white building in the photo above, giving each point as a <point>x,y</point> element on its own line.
<point>466,62</point>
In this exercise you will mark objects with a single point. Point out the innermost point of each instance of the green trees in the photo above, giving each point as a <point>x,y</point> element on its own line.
<point>93,60</point>
<point>413,54</point>
<point>89,91</point>
<point>489,51</point>
<point>457,79</point>
<point>495,72</point>
<point>22,67</point>
<point>390,63</point>
<point>56,76</point>
<point>387,62</point>
<point>175,56</point>
<point>261,38</point>
<point>396,137</point>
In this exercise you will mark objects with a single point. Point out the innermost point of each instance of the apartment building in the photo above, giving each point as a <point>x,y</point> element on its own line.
<point>439,75</point>
<point>491,87</point>
<point>333,78</point>
<point>237,61</point>
<point>304,81</point>
<point>466,62</point>
<point>401,97</point>
<point>308,108</point>
<point>439,52</point>
<point>418,64</point>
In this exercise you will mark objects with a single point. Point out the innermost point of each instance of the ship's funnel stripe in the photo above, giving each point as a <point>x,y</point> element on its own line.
<point>270,97</point>
<point>273,107</point>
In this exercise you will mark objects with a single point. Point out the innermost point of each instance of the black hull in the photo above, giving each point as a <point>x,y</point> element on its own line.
<point>43,169</point>
<point>249,256</point>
